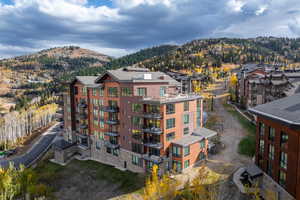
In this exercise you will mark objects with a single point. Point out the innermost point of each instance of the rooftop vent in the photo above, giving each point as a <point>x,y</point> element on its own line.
<point>147,76</point>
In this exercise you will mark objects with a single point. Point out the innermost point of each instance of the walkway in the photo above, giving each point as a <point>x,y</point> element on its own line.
<point>36,151</point>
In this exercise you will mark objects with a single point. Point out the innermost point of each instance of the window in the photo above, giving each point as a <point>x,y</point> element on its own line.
<point>137,148</point>
<point>94,92</point>
<point>186,106</point>
<point>99,135</point>
<point>170,123</point>
<point>137,134</point>
<point>284,140</point>
<point>115,152</point>
<point>137,121</point>
<point>101,124</point>
<point>162,91</point>
<point>84,91</point>
<point>199,104</point>
<point>170,108</point>
<point>198,118</point>
<point>269,168</point>
<point>98,145</point>
<point>202,144</point>
<point>261,147</point>
<point>176,151</point>
<point>186,163</point>
<point>177,165</point>
<point>101,92</point>
<point>271,152</point>
<point>136,107</point>
<point>153,151</point>
<point>186,118</point>
<point>271,133</point>
<point>101,113</point>
<point>261,129</point>
<point>170,136</point>
<point>113,92</point>
<point>283,160</point>
<point>186,130</point>
<point>126,92</point>
<point>282,178</point>
<point>202,156</point>
<point>76,90</point>
<point>186,151</point>
<point>136,160</point>
<point>142,92</point>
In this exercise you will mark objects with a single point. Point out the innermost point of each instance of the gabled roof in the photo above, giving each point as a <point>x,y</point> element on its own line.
<point>87,80</point>
<point>286,109</point>
<point>204,132</point>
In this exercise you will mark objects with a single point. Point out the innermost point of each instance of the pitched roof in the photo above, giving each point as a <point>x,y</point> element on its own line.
<point>286,109</point>
<point>87,80</point>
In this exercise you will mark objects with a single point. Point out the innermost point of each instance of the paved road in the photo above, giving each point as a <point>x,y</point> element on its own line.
<point>36,151</point>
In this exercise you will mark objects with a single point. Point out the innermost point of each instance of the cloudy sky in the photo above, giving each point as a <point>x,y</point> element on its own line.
<point>119,27</point>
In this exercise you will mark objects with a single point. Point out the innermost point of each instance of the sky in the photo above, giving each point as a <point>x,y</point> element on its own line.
<point>120,27</point>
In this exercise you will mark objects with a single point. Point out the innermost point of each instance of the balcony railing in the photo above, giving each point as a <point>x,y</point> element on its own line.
<point>153,130</point>
<point>152,115</point>
<point>153,144</point>
<point>82,105</point>
<point>112,121</point>
<point>112,109</point>
<point>109,144</point>
<point>83,116</point>
<point>83,126</point>
<point>111,133</point>
<point>153,158</point>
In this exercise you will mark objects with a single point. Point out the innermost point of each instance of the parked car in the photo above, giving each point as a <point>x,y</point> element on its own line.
<point>2,154</point>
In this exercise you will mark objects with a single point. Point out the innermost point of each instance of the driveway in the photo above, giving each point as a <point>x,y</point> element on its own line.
<point>36,151</point>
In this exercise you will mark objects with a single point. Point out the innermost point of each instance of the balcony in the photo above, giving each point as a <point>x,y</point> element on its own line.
<point>112,121</point>
<point>112,109</point>
<point>153,130</point>
<point>83,116</point>
<point>111,144</point>
<point>152,115</point>
<point>83,126</point>
<point>111,133</point>
<point>152,143</point>
<point>82,105</point>
<point>152,158</point>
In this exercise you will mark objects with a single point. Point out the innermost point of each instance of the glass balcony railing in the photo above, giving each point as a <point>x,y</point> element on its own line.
<point>152,115</point>
<point>110,109</point>
<point>153,130</point>
<point>111,133</point>
<point>111,144</point>
<point>112,121</point>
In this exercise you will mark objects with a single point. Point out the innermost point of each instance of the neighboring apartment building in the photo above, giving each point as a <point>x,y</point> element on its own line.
<point>132,118</point>
<point>278,142</point>
<point>258,87</point>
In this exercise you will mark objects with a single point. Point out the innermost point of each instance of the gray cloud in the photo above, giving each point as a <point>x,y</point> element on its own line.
<point>32,25</point>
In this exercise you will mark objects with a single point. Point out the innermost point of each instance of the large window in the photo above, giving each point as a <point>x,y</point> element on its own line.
<point>186,118</point>
<point>186,163</point>
<point>271,134</point>
<point>261,147</point>
<point>177,165</point>
<point>127,92</point>
<point>170,108</point>
<point>176,151</point>
<point>202,155</point>
<point>282,178</point>
<point>162,91</point>
<point>137,134</point>
<point>94,92</point>
<point>202,144</point>
<point>284,140</point>
<point>137,121</point>
<point>136,107</point>
<point>185,130</point>
<point>113,92</point>
<point>283,160</point>
<point>186,106</point>
<point>170,123</point>
<point>136,160</point>
<point>261,129</point>
<point>84,91</point>
<point>170,136</point>
<point>101,92</point>
<point>271,152</point>
<point>142,92</point>
<point>186,151</point>
<point>137,148</point>
<point>269,168</point>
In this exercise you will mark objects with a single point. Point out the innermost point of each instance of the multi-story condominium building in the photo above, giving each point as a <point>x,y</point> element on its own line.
<point>278,142</point>
<point>132,118</point>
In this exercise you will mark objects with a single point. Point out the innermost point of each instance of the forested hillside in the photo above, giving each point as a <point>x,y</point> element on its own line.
<point>215,52</point>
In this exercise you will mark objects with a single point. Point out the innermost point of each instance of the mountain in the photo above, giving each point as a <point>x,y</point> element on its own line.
<point>30,75</point>
<point>215,52</point>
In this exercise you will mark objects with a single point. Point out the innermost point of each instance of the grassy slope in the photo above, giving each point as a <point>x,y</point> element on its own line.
<point>247,144</point>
